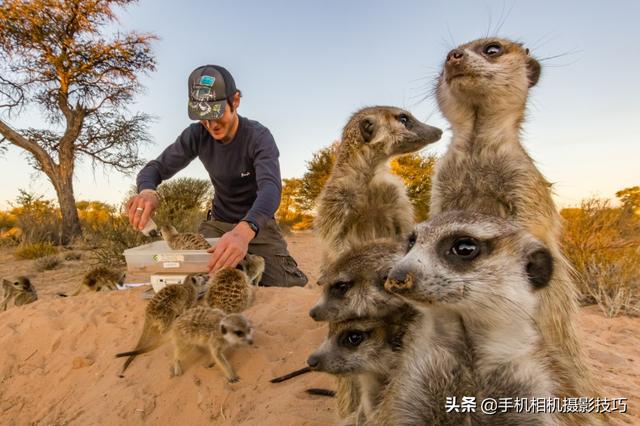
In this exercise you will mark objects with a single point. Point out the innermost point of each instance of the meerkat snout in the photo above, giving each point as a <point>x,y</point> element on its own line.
<point>399,279</point>
<point>455,56</point>
<point>313,361</point>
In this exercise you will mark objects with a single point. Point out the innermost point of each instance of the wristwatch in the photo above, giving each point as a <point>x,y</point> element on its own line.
<point>252,225</point>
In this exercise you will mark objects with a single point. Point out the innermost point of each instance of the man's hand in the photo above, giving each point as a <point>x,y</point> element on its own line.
<point>141,207</point>
<point>231,248</point>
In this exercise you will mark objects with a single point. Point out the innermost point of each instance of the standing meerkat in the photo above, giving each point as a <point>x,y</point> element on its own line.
<point>487,271</point>
<point>212,329</point>
<point>161,312</point>
<point>98,279</point>
<point>482,91</point>
<point>183,241</point>
<point>19,290</point>
<point>353,284</point>
<point>362,200</point>
<point>233,289</point>
<point>367,350</point>
<point>253,265</point>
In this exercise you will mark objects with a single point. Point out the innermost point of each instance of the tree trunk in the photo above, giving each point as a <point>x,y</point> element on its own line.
<point>70,220</point>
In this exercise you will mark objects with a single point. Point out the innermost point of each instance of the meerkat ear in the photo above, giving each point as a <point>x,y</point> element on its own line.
<point>533,71</point>
<point>223,329</point>
<point>539,267</point>
<point>367,129</point>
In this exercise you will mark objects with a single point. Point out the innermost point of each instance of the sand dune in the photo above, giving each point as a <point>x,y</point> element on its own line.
<point>57,362</point>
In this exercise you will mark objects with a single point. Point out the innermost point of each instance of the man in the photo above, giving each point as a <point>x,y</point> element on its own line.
<point>241,158</point>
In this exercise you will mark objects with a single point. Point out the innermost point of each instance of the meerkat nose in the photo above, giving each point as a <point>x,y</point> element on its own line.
<point>399,279</point>
<point>313,361</point>
<point>313,313</point>
<point>455,56</point>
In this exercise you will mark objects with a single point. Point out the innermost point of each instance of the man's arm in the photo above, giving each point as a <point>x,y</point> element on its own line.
<point>233,245</point>
<point>267,169</point>
<point>173,159</point>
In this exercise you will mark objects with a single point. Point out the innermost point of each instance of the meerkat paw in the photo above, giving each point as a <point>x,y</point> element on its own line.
<point>233,379</point>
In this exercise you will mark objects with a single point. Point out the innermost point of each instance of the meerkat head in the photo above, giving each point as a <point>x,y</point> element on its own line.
<point>198,281</point>
<point>168,231</point>
<point>253,265</point>
<point>489,72</point>
<point>379,133</point>
<point>471,262</point>
<point>21,283</point>
<point>357,346</point>
<point>236,330</point>
<point>353,285</point>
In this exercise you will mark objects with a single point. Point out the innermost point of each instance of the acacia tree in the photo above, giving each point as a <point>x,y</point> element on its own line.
<point>55,57</point>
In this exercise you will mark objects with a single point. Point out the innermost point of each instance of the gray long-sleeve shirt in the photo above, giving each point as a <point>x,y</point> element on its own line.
<point>245,172</point>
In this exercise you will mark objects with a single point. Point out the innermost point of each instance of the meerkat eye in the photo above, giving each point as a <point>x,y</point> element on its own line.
<point>411,241</point>
<point>466,248</point>
<point>340,288</point>
<point>492,49</point>
<point>404,119</point>
<point>240,333</point>
<point>353,338</point>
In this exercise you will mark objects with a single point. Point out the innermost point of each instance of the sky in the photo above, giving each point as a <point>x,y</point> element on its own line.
<point>305,66</point>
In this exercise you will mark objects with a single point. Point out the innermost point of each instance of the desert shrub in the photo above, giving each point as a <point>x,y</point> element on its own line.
<point>183,203</point>
<point>39,220</point>
<point>47,263</point>
<point>72,255</point>
<point>603,244</point>
<point>115,237</point>
<point>35,250</point>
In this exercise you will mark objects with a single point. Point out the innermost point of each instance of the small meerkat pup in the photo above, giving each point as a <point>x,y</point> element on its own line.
<point>253,265</point>
<point>487,271</point>
<point>362,200</point>
<point>212,329</point>
<point>482,91</point>
<point>367,350</point>
<point>353,284</point>
<point>19,290</point>
<point>98,279</point>
<point>161,312</point>
<point>183,241</point>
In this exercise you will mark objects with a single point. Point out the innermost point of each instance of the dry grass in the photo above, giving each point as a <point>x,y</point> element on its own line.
<point>603,244</point>
<point>47,263</point>
<point>35,250</point>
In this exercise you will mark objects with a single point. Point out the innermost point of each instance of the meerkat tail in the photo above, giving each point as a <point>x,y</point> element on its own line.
<point>149,340</point>
<point>321,392</point>
<point>291,375</point>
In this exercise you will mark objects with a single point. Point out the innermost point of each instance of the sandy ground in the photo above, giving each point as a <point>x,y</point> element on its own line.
<point>57,364</point>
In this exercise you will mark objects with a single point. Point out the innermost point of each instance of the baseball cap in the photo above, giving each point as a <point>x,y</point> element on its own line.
<point>209,88</point>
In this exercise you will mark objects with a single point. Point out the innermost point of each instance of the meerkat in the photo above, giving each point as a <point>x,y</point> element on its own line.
<point>366,349</point>
<point>253,265</point>
<point>487,271</point>
<point>161,312</point>
<point>482,91</point>
<point>183,241</point>
<point>19,290</point>
<point>353,284</point>
<point>362,200</point>
<point>98,279</point>
<point>230,290</point>
<point>209,328</point>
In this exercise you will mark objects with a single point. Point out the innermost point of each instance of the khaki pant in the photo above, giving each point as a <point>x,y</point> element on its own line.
<point>280,268</point>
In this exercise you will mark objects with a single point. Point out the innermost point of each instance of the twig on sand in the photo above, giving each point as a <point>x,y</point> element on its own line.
<point>291,375</point>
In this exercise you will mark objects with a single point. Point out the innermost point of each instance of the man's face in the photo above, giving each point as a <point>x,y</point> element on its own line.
<point>225,128</point>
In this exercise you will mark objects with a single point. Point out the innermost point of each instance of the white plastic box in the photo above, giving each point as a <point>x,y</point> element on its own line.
<point>160,281</point>
<point>158,258</point>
